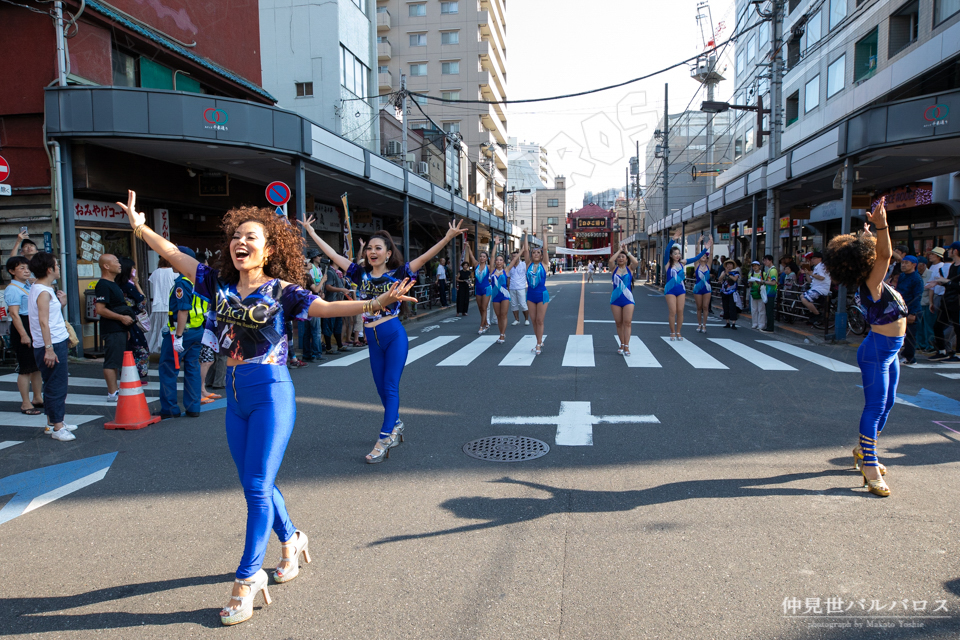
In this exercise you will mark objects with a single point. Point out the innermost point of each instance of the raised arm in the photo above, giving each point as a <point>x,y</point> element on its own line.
<point>341,261</point>
<point>320,308</point>
<point>455,230</point>
<point>16,245</point>
<point>514,261</point>
<point>706,249</point>
<point>180,261</point>
<point>884,251</point>
<point>525,249</point>
<point>469,257</point>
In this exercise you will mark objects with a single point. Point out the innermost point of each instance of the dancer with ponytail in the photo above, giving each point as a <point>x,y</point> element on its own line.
<point>674,290</point>
<point>481,283</point>
<point>622,303</point>
<point>251,298</point>
<point>382,269</point>
<point>500,292</point>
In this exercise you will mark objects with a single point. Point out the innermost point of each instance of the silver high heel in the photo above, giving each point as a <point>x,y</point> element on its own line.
<point>381,450</point>
<point>244,611</point>
<point>299,543</point>
<point>502,339</point>
<point>397,433</point>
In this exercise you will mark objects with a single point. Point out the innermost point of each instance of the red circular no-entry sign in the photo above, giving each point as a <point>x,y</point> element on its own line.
<point>278,194</point>
<point>4,169</point>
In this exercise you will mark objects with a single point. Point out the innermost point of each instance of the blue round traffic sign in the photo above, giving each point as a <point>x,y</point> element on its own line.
<point>278,194</point>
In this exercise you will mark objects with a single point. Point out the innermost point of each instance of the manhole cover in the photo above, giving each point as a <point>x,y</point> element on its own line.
<point>506,448</point>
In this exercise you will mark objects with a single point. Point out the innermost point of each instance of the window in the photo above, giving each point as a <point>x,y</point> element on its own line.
<point>764,35</point>
<point>361,4</point>
<point>154,75</point>
<point>738,148</point>
<point>748,141</point>
<point>752,49</point>
<point>943,9</point>
<point>418,69</point>
<point>418,39</point>
<point>553,239</point>
<point>383,69</point>
<point>740,62</point>
<point>865,57</point>
<point>353,73</point>
<point>811,94</point>
<point>793,5</point>
<point>418,10</point>
<point>793,107</point>
<point>420,99</point>
<point>450,68</point>
<point>304,89</point>
<point>904,28</point>
<point>452,127</point>
<point>418,124</point>
<point>793,52</point>
<point>450,95</point>
<point>124,69</point>
<point>450,37</point>
<point>814,27</point>
<point>838,11</point>
<point>553,202</point>
<point>382,40</point>
<point>836,73</point>
<point>556,204</point>
<point>449,7</point>
<point>382,10</point>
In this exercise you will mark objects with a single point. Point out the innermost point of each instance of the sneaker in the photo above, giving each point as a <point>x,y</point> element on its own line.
<point>68,427</point>
<point>113,397</point>
<point>938,356</point>
<point>526,322</point>
<point>953,358</point>
<point>345,347</point>
<point>767,331</point>
<point>63,435</point>
<point>515,322</point>
<point>905,361</point>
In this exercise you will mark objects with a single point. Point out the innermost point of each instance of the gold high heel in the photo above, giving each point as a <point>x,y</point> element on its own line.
<point>244,611</point>
<point>858,460</point>
<point>877,487</point>
<point>299,543</point>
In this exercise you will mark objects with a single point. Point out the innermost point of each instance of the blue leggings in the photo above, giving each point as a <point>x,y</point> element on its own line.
<point>388,353</point>
<point>261,410</point>
<point>880,368</point>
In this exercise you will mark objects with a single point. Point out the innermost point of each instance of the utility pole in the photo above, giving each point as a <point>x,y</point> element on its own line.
<point>776,122</point>
<point>406,176</point>
<point>666,171</point>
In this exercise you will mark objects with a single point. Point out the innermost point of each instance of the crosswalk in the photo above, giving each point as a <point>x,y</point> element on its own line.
<point>581,351</point>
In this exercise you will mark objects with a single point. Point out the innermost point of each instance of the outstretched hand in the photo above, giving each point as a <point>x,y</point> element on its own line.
<point>307,224</point>
<point>879,214</point>
<point>866,230</point>
<point>136,218</point>
<point>677,235</point>
<point>456,229</point>
<point>398,291</point>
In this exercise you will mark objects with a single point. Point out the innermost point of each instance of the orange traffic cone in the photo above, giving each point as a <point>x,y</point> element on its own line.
<point>132,411</point>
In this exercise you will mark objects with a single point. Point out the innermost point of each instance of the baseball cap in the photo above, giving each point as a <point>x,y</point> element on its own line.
<point>816,254</point>
<point>922,260</point>
<point>938,250</point>
<point>187,250</point>
<point>955,246</point>
<point>912,259</point>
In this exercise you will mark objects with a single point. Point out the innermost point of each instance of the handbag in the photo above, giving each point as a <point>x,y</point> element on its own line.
<point>737,300</point>
<point>763,293</point>
<point>143,321</point>
<point>72,339</point>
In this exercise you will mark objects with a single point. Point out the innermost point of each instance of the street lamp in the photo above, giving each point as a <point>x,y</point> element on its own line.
<point>711,106</point>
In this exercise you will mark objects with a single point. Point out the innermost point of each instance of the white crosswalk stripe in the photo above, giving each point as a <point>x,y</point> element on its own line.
<point>9,443</point>
<point>579,351</point>
<point>428,347</point>
<point>751,355</point>
<point>693,354</point>
<point>640,355</point>
<point>72,398</point>
<point>97,383</point>
<point>17,419</point>
<point>353,358</point>
<point>522,353</point>
<point>469,353</point>
<point>810,356</point>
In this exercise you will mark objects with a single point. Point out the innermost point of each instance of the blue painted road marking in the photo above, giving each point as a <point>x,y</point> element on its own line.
<point>931,401</point>
<point>33,489</point>
<point>216,404</point>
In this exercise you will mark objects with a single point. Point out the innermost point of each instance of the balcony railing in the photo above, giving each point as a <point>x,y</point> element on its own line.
<point>383,21</point>
<point>384,51</point>
<point>385,81</point>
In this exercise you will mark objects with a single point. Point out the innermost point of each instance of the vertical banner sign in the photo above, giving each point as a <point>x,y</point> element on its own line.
<point>161,222</point>
<point>48,242</point>
<point>348,228</point>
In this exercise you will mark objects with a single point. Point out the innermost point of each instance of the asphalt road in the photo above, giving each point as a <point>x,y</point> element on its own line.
<point>736,514</point>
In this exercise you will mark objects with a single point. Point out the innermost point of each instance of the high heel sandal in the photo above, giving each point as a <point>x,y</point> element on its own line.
<point>537,349</point>
<point>626,350</point>
<point>397,433</point>
<point>877,487</point>
<point>381,450</point>
<point>620,350</point>
<point>858,461</point>
<point>502,338</point>
<point>299,543</point>
<point>244,611</point>
<point>673,337</point>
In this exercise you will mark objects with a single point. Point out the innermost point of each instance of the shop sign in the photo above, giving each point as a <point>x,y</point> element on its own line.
<point>785,233</point>
<point>907,196</point>
<point>591,223</point>
<point>785,222</point>
<point>936,115</point>
<point>161,222</point>
<point>328,219</point>
<point>90,211</point>
<point>723,229</point>
<point>796,232</point>
<point>215,119</point>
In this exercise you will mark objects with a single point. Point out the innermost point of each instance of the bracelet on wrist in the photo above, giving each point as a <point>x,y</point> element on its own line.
<point>879,228</point>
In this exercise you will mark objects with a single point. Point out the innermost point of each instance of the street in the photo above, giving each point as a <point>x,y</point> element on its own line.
<point>698,489</point>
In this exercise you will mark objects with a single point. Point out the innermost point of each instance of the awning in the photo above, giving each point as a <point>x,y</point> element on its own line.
<point>603,251</point>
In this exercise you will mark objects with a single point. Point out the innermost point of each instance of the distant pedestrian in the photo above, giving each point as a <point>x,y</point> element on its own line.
<point>819,287</point>
<point>463,290</point>
<point>910,288</point>
<point>729,280</point>
<point>17,296</point>
<point>134,297</point>
<point>161,282</point>
<point>860,262</point>
<point>442,282</point>
<point>590,270</point>
<point>758,311</point>
<point>770,282</point>
<point>949,314</point>
<point>926,318</point>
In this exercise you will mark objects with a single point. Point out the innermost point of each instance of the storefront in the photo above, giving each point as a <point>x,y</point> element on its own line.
<point>915,221</point>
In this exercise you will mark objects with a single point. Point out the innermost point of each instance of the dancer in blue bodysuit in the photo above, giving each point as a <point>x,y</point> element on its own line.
<point>860,263</point>
<point>251,298</point>
<point>673,290</point>
<point>537,295</point>
<point>481,275</point>
<point>500,292</point>
<point>702,291</point>
<point>622,265</point>
<point>386,337</point>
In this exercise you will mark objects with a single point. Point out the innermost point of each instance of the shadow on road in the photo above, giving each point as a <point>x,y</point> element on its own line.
<point>27,615</point>
<point>498,512</point>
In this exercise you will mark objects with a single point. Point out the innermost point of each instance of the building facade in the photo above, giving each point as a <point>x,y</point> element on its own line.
<point>319,58</point>
<point>453,50</point>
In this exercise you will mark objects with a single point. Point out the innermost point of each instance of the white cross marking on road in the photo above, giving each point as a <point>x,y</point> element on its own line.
<point>574,423</point>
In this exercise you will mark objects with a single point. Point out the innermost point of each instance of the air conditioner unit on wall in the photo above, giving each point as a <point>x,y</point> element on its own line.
<point>394,148</point>
<point>423,168</point>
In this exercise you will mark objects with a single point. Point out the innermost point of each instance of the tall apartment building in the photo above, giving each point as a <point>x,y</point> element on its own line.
<point>318,59</point>
<point>453,50</point>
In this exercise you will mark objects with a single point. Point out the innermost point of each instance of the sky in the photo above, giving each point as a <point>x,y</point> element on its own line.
<point>566,46</point>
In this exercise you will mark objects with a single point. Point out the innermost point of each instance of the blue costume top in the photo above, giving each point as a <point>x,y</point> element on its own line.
<point>482,280</point>
<point>702,284</point>
<point>622,288</point>
<point>537,284</point>
<point>888,309</point>
<point>676,274</point>
<point>498,284</point>
<point>252,328</point>
<point>370,286</point>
